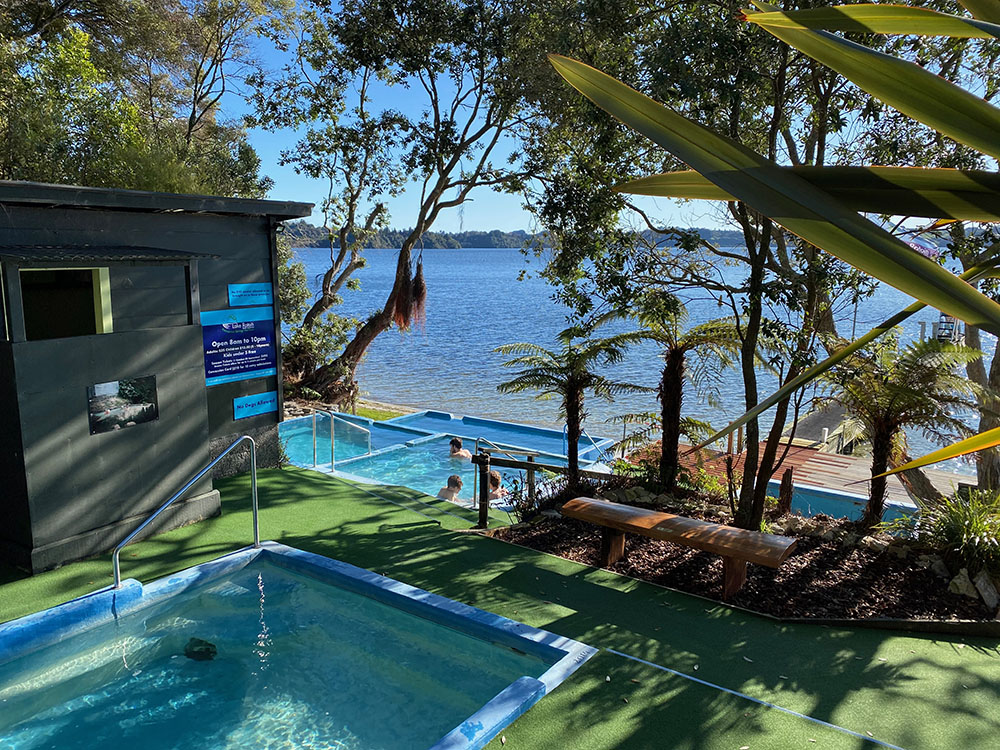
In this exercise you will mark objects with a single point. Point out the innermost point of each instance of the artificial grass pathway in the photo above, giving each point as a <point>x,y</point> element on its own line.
<point>912,692</point>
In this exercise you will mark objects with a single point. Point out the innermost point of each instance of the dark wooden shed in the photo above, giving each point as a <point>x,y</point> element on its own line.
<point>139,339</point>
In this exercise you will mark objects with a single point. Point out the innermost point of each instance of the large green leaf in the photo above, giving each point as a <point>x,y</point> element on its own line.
<point>985,10</point>
<point>810,374</point>
<point>880,19</point>
<point>898,191</point>
<point>980,442</point>
<point>789,200</point>
<point>903,85</point>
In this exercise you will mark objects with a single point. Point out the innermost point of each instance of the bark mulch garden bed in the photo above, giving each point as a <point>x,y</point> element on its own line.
<point>822,579</point>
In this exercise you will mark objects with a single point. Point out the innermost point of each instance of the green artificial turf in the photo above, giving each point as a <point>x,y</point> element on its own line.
<point>909,691</point>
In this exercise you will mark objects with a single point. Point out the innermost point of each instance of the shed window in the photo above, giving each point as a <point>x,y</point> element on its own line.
<point>59,303</point>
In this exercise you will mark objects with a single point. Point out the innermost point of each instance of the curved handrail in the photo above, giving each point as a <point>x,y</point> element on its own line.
<point>253,487</point>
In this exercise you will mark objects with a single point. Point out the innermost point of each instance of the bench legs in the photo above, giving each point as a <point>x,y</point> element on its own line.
<point>612,546</point>
<point>734,575</point>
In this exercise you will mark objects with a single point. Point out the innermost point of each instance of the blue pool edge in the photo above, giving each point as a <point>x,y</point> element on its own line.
<point>33,632</point>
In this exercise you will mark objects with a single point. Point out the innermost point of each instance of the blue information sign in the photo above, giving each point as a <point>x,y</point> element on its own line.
<point>241,295</point>
<point>239,344</point>
<point>258,403</point>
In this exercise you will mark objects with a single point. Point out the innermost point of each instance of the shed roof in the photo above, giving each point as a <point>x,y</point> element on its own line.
<point>72,196</point>
<point>95,253</point>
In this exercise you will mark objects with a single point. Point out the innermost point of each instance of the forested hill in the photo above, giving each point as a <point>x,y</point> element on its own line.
<point>303,234</point>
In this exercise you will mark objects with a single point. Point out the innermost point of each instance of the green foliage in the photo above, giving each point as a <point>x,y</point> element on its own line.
<point>122,93</point>
<point>887,390</point>
<point>567,374</point>
<point>308,347</point>
<point>61,121</point>
<point>293,287</point>
<point>966,530</point>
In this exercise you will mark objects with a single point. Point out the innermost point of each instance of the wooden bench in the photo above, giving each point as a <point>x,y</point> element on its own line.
<point>736,546</point>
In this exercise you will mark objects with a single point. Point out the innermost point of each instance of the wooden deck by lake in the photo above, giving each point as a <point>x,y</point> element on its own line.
<point>828,470</point>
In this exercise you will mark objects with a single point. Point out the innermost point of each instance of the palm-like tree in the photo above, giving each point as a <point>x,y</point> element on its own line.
<point>567,373</point>
<point>886,390</point>
<point>710,347</point>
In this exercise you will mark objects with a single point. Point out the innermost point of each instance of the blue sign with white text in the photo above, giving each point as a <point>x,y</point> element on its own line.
<point>258,403</point>
<point>239,344</point>
<point>241,295</point>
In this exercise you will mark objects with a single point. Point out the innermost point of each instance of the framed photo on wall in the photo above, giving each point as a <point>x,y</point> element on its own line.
<point>122,403</point>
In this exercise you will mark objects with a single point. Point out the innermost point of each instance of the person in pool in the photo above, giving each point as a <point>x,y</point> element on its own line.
<point>451,491</point>
<point>457,451</point>
<point>496,490</point>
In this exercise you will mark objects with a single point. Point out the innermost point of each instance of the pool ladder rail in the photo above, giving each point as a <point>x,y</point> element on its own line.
<point>115,563</point>
<point>601,452</point>
<point>333,418</point>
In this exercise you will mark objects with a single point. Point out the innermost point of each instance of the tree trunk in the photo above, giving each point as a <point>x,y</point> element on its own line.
<point>916,483</point>
<point>748,363</point>
<point>671,393</point>
<point>335,380</point>
<point>881,445</point>
<point>574,427</point>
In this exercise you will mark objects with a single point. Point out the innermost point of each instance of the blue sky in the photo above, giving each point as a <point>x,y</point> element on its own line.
<point>486,209</point>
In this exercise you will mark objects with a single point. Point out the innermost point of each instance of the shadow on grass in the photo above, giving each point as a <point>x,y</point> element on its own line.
<point>911,691</point>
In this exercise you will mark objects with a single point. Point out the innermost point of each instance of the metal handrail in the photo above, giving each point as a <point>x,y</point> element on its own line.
<point>253,487</point>
<point>583,433</point>
<point>349,422</point>
<point>330,415</point>
<point>600,451</point>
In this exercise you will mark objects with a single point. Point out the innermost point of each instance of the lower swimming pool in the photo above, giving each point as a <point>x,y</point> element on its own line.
<point>271,648</point>
<point>812,501</point>
<point>425,466</point>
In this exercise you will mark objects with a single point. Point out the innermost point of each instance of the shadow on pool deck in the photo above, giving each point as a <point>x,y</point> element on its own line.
<point>908,691</point>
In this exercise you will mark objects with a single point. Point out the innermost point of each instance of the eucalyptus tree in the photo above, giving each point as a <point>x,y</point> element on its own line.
<point>887,390</point>
<point>706,63</point>
<point>568,373</point>
<point>128,94</point>
<point>459,72</point>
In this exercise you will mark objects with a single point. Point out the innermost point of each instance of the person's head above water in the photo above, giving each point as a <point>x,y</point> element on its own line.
<point>456,444</point>
<point>494,480</point>
<point>455,481</point>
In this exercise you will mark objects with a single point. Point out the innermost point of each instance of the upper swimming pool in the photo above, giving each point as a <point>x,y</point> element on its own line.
<point>271,648</point>
<point>350,437</point>
<point>412,450</point>
<point>507,434</point>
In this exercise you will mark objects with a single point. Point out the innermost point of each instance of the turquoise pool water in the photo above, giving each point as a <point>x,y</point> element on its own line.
<point>503,433</point>
<point>426,467</point>
<point>349,439</point>
<point>300,664</point>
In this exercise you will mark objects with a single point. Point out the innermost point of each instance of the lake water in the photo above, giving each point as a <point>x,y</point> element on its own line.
<point>477,302</point>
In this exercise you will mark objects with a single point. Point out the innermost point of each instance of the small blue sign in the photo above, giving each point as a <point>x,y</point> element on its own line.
<point>258,403</point>
<point>243,295</point>
<point>239,344</point>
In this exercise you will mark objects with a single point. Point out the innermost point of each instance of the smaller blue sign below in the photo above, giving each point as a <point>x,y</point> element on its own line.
<point>243,295</point>
<point>258,403</point>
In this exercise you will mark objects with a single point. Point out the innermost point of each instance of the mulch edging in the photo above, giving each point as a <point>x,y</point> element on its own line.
<point>822,583</point>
